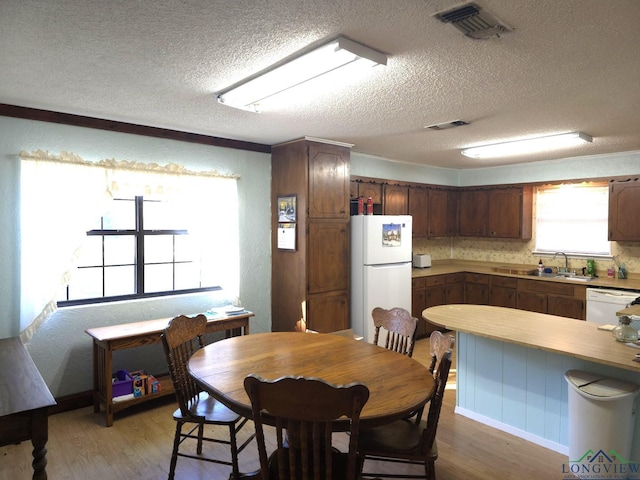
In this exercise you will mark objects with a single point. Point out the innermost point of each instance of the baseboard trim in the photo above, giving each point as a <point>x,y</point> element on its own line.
<point>516,432</point>
<point>72,402</point>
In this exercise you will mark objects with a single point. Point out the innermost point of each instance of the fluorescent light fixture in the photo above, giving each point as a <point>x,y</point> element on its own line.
<point>326,58</point>
<point>530,145</point>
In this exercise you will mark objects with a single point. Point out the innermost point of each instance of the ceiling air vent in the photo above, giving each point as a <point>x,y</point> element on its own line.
<point>446,125</point>
<point>472,20</point>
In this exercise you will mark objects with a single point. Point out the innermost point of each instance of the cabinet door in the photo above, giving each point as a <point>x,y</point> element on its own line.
<point>533,302</point>
<point>566,307</point>
<point>353,190</point>
<point>476,294</point>
<point>503,297</point>
<point>396,200</point>
<point>437,213</point>
<point>473,208</point>
<point>418,209</point>
<point>418,304</point>
<point>503,291</point>
<point>476,289</point>
<point>624,204</point>
<point>328,181</point>
<point>370,189</point>
<point>434,295</point>
<point>328,312</point>
<point>452,213</point>
<point>454,293</point>
<point>328,257</point>
<point>505,212</point>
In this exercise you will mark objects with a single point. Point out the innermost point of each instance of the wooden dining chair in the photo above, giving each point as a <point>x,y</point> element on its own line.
<point>401,329</point>
<point>439,344</point>
<point>407,440</point>
<point>181,338</point>
<point>303,410</point>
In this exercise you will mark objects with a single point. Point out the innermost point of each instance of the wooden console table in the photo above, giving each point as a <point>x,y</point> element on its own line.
<point>24,403</point>
<point>106,340</point>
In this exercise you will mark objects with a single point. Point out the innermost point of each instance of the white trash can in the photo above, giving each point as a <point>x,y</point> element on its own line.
<point>601,424</point>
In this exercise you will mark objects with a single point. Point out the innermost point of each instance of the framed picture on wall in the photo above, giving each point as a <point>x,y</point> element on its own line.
<point>287,209</point>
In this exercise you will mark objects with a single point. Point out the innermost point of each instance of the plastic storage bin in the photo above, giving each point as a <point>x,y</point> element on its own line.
<point>601,425</point>
<point>121,384</point>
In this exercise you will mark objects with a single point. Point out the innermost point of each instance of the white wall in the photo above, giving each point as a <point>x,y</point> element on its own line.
<point>62,349</point>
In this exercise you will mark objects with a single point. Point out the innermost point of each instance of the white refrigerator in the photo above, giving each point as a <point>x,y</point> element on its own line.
<point>380,267</point>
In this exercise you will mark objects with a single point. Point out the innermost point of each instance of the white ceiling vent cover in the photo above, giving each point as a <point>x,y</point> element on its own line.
<point>472,20</point>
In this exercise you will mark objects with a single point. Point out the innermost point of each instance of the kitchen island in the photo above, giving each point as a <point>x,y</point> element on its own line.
<point>511,365</point>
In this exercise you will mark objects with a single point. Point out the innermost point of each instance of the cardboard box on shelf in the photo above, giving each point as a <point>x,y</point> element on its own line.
<point>144,383</point>
<point>139,383</point>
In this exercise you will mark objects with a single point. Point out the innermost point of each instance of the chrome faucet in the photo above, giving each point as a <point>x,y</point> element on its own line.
<point>566,262</point>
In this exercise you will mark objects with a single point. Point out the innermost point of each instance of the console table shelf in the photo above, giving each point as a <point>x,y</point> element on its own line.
<point>106,340</point>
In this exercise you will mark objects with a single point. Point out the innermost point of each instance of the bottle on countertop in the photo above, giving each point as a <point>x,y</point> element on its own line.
<point>540,267</point>
<point>624,332</point>
<point>591,268</point>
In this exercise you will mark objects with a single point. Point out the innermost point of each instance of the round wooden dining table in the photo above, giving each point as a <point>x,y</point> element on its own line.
<point>397,384</point>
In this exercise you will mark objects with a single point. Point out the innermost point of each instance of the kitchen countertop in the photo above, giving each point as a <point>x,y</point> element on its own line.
<point>536,330</point>
<point>443,267</point>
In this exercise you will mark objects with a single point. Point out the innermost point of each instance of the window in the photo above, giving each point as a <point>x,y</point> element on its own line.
<point>573,219</point>
<point>192,246</point>
<point>136,228</point>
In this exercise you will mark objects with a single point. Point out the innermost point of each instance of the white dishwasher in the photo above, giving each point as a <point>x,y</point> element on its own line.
<point>603,303</point>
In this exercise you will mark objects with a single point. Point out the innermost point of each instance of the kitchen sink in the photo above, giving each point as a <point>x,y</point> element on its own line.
<point>577,278</point>
<point>572,277</point>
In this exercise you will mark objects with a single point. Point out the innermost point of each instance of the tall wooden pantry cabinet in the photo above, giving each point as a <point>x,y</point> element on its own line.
<point>310,279</point>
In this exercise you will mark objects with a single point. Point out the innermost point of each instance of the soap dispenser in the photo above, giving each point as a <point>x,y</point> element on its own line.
<point>540,267</point>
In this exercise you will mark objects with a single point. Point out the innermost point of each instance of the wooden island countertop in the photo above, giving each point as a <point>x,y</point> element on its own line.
<point>551,333</point>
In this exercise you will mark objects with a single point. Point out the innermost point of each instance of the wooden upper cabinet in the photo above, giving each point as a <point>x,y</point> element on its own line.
<point>328,181</point>
<point>511,212</point>
<point>442,216</point>
<point>418,209</point>
<point>473,211</point>
<point>496,212</point>
<point>370,189</point>
<point>452,212</point>
<point>396,200</point>
<point>353,189</point>
<point>624,205</point>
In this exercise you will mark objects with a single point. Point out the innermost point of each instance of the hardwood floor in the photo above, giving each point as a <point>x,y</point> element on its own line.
<point>140,441</point>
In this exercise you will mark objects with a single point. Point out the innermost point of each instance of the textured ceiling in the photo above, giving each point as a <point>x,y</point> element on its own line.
<point>568,65</point>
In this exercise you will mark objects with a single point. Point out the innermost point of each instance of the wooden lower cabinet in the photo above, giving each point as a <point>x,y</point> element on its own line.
<point>476,289</point>
<point>454,288</point>
<point>503,291</point>
<point>426,292</point>
<point>566,307</point>
<point>432,291</point>
<point>331,309</point>
<point>554,298</point>
<point>532,301</point>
